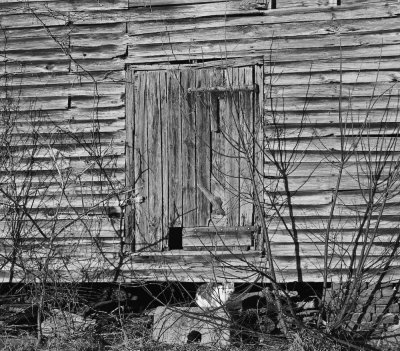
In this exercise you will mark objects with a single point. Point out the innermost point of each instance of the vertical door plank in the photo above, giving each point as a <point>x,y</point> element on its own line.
<point>153,111</point>
<point>129,159</point>
<point>164,166</point>
<point>141,159</point>
<point>188,150</point>
<point>247,147</point>
<point>203,148</point>
<point>232,147</point>
<point>174,149</point>
<point>259,127</point>
<point>218,172</point>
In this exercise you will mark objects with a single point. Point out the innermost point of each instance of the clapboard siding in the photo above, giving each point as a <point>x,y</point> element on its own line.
<point>72,75</point>
<point>72,67</point>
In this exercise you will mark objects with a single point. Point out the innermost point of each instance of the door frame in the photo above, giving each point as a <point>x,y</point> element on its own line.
<point>129,214</point>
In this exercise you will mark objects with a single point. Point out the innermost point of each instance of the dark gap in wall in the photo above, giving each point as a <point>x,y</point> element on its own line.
<point>175,238</point>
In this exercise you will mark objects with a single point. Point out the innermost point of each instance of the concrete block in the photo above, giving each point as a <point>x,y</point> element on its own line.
<point>191,324</point>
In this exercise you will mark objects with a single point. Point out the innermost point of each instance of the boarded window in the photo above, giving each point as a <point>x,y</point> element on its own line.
<point>191,135</point>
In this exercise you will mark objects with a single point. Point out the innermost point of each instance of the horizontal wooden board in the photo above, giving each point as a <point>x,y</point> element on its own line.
<point>281,4</point>
<point>218,237</point>
<point>49,41</point>
<point>76,77</point>
<point>276,41</point>
<point>63,228</point>
<point>155,3</point>
<point>40,6</point>
<point>85,89</point>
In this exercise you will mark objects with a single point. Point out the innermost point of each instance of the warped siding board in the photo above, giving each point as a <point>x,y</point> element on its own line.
<point>107,126</point>
<point>71,117</point>
<point>219,46</point>
<point>67,141</point>
<point>374,78</point>
<point>155,3</point>
<point>98,65</point>
<point>324,169</point>
<point>329,183</point>
<point>170,13</point>
<point>84,89</point>
<point>317,118</point>
<point>104,52</point>
<point>43,6</point>
<point>226,9</point>
<point>340,210</point>
<point>349,90</point>
<point>273,23</point>
<point>329,144</point>
<point>60,32</point>
<point>38,103</point>
<point>79,165</point>
<point>387,127</point>
<point>100,101</point>
<point>282,4</point>
<point>35,67</point>
<point>290,38</point>
<point>266,28</point>
<point>61,78</point>
<point>332,66</point>
<point>332,104</point>
<point>346,53</point>
<point>63,42</point>
<point>223,9</point>
<point>318,236</point>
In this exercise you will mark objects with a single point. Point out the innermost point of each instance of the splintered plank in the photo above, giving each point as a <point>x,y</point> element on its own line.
<point>174,149</point>
<point>140,159</point>
<point>188,150</point>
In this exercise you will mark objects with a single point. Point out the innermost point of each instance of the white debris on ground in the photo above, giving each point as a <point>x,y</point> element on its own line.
<point>63,323</point>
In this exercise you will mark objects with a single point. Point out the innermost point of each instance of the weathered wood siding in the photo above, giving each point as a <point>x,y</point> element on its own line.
<point>58,58</point>
<point>70,58</point>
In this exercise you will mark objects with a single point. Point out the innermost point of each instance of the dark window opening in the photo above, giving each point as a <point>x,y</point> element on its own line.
<point>194,337</point>
<point>175,238</point>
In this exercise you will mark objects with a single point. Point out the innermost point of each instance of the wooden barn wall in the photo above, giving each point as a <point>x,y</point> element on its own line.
<point>70,59</point>
<point>62,69</point>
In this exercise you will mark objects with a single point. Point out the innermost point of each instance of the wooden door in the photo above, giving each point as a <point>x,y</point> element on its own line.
<point>193,149</point>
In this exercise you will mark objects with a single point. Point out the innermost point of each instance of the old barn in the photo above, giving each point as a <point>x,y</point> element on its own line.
<point>199,139</point>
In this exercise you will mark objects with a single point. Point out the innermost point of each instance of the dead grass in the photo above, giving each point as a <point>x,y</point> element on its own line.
<point>125,334</point>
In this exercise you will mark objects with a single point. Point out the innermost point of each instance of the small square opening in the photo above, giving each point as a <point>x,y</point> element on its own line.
<point>175,238</point>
